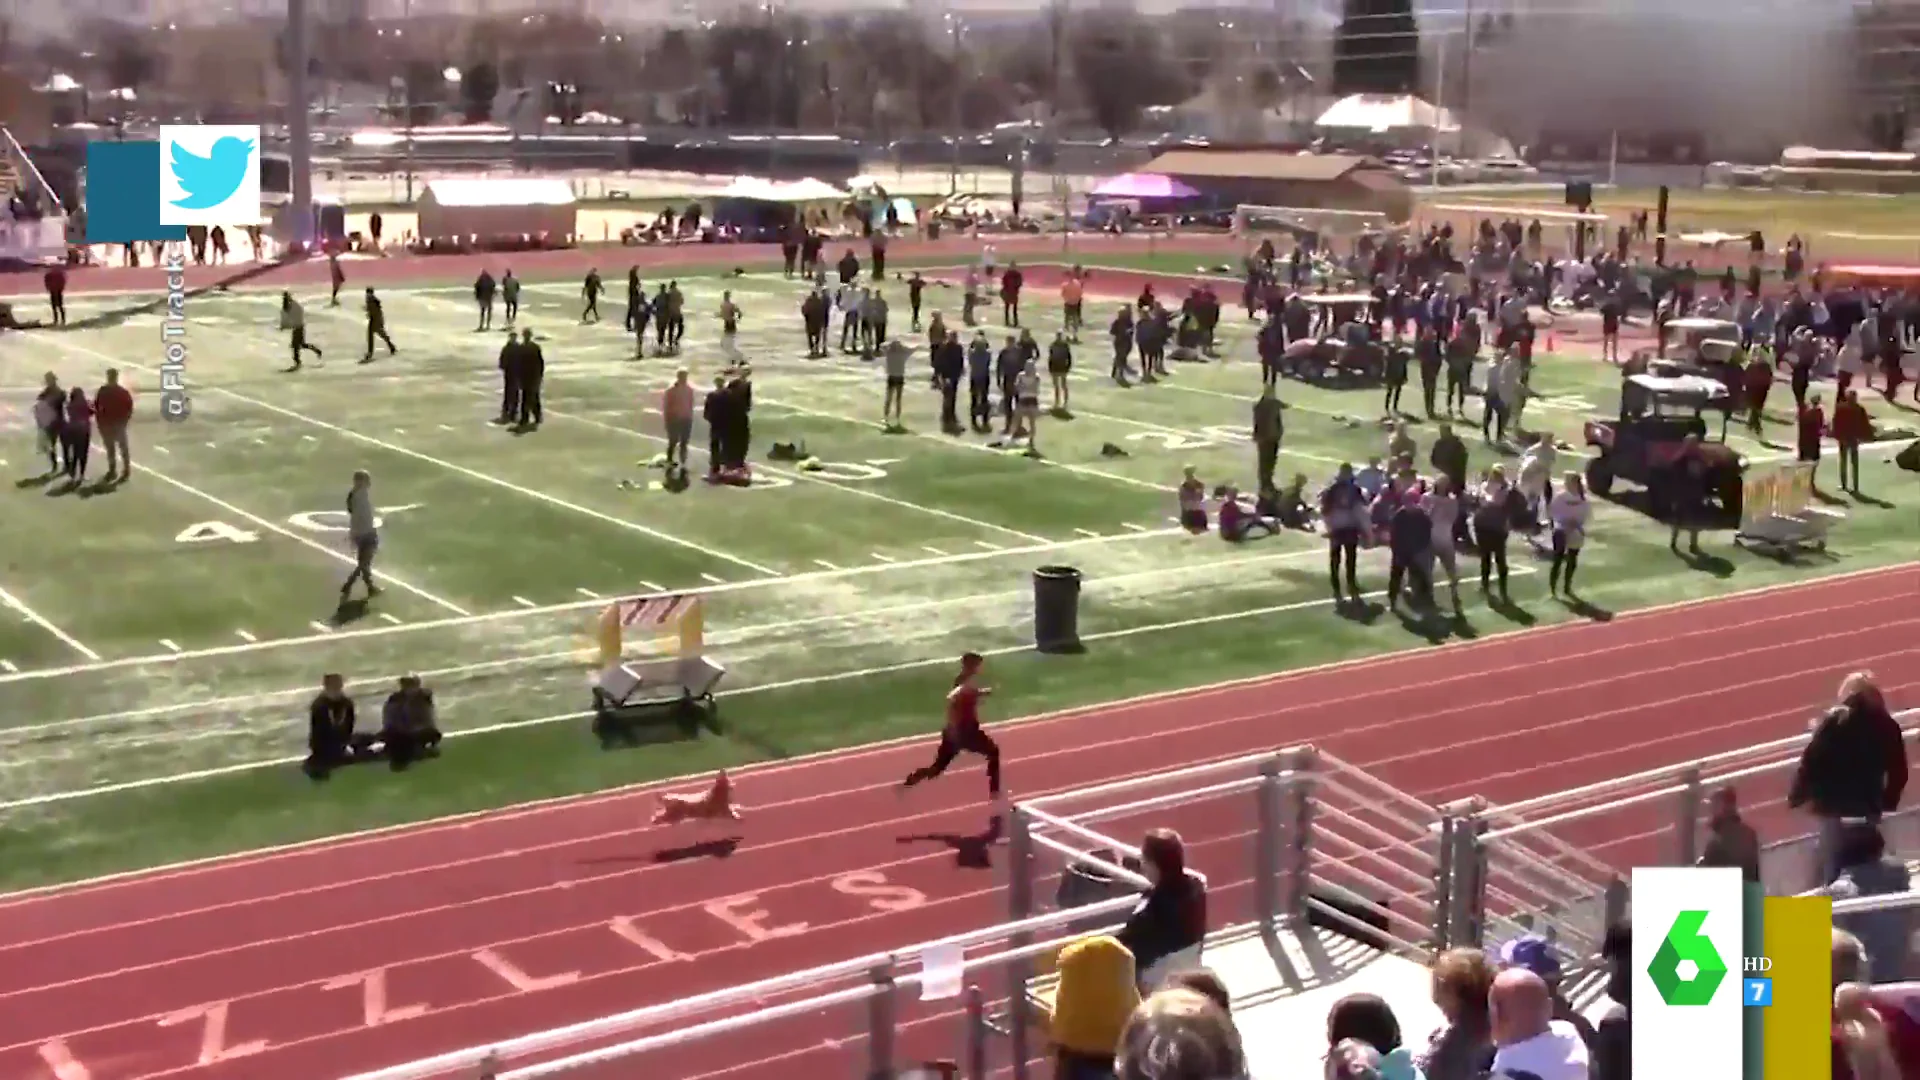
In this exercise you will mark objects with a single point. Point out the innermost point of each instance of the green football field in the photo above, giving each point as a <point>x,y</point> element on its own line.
<point>175,626</point>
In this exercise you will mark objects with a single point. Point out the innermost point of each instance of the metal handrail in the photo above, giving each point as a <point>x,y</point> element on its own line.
<point>727,997</point>
<point>1160,779</point>
<point>1881,902</point>
<point>730,1024</point>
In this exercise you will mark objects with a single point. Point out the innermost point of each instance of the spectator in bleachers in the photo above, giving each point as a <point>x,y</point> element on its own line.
<point>1461,1048</point>
<point>1534,953</point>
<point>1854,766</point>
<point>1096,995</point>
<point>1730,840</point>
<point>1354,1060</point>
<point>1205,983</point>
<point>1528,1040</point>
<point>1613,1036</point>
<point>1854,999</point>
<point>1865,870</point>
<point>1171,920</point>
<point>1370,1020</point>
<point>1862,1046</point>
<point>1180,1035</point>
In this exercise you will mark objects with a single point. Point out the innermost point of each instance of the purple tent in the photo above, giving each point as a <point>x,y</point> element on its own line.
<point>1143,186</point>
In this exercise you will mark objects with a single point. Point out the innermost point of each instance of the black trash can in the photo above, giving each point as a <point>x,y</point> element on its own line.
<point>1056,609</point>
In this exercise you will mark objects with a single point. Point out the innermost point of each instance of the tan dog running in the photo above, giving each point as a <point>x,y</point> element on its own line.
<point>714,804</point>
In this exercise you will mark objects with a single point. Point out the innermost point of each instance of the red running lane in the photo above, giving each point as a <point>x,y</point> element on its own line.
<point>332,958</point>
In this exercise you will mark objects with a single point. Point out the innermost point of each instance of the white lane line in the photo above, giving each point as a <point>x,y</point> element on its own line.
<point>934,551</point>
<point>825,565</point>
<point>9,600</point>
<point>170,646</point>
<point>716,586</point>
<point>162,449</point>
<point>1086,532</point>
<point>1137,528</point>
<point>882,558</point>
<point>321,627</point>
<point>985,546</point>
<point>245,636</point>
<point>588,593</point>
<point>472,474</point>
<point>389,619</point>
<point>8,666</point>
<point>524,602</point>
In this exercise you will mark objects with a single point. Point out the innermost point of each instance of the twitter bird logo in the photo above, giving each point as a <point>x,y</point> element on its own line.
<point>211,180</point>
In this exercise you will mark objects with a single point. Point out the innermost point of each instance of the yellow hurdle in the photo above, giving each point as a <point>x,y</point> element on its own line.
<point>679,618</point>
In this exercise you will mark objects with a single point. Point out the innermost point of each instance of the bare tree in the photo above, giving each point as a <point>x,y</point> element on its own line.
<point>1122,69</point>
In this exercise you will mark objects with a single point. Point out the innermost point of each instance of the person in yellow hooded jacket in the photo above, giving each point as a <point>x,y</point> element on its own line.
<point>1096,995</point>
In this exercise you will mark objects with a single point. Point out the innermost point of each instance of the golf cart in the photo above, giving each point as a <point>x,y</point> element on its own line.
<point>1657,413</point>
<point>1329,360</point>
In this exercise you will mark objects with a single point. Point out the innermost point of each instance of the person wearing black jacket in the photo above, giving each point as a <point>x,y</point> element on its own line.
<point>409,728</point>
<point>1172,916</point>
<point>1854,766</point>
<point>1493,526</point>
<point>1687,494</point>
<point>331,742</point>
<point>533,368</point>
<point>736,441</point>
<point>714,409</point>
<point>949,367</point>
<point>510,377</point>
<point>1409,538</point>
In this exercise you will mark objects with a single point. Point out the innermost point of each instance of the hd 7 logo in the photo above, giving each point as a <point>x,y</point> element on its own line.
<point>1687,969</point>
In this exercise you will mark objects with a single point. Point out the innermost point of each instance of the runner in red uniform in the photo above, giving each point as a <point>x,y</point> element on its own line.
<point>963,732</point>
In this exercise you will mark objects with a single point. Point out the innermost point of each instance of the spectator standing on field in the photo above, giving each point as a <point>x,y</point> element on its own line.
<point>113,411</point>
<point>1854,766</point>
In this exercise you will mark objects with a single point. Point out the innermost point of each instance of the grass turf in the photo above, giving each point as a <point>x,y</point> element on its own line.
<point>837,598</point>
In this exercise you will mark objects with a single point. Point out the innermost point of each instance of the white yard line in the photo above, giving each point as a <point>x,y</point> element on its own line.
<point>9,600</point>
<point>717,587</point>
<point>321,628</point>
<point>732,636</point>
<point>942,440</point>
<point>245,636</point>
<point>8,666</point>
<point>169,645</point>
<point>462,470</point>
<point>588,593</point>
<point>882,558</point>
<point>304,541</point>
<point>524,602</point>
<point>391,620</point>
<point>850,489</point>
<point>761,688</point>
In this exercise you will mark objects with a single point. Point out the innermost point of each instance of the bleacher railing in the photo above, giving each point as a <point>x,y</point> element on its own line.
<point>1522,869</point>
<point>1323,843</point>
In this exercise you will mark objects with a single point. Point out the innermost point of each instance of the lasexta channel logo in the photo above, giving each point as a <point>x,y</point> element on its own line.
<point>1687,969</point>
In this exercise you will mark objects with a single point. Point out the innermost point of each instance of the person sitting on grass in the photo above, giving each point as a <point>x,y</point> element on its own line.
<point>331,741</point>
<point>1372,479</point>
<point>1193,501</point>
<point>408,729</point>
<point>1237,522</point>
<point>1288,505</point>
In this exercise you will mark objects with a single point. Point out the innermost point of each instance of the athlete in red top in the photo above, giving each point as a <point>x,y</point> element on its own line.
<point>963,732</point>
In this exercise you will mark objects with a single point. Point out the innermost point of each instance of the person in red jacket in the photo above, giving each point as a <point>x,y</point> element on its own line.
<point>113,411</point>
<point>1851,427</point>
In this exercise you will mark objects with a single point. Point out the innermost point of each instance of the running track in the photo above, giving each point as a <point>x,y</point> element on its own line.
<point>313,962</point>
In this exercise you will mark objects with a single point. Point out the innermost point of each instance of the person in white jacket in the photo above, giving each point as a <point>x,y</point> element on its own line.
<point>1536,474</point>
<point>1567,515</point>
<point>1527,1040</point>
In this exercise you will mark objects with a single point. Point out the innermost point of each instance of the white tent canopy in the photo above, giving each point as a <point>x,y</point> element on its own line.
<point>491,208</point>
<point>1385,112</point>
<point>797,191</point>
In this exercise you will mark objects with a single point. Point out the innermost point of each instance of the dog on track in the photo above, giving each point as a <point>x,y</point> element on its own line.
<point>714,804</point>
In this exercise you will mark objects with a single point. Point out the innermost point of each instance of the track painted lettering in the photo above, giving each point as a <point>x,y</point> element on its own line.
<point>848,471</point>
<point>744,914</point>
<point>874,889</point>
<point>209,531</point>
<point>336,520</point>
<point>625,929</point>
<point>517,977</point>
<point>60,1060</point>
<point>375,1009</point>
<point>1169,440</point>
<point>213,1032</point>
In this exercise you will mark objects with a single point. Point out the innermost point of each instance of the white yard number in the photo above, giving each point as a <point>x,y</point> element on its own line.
<point>1566,404</point>
<point>336,520</point>
<point>837,472</point>
<point>1207,436</point>
<point>208,531</point>
<point>1170,440</point>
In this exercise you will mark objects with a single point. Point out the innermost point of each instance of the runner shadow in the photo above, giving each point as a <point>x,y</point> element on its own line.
<point>970,852</point>
<point>1510,611</point>
<point>1869,500</point>
<point>717,848</point>
<point>1706,563</point>
<point>1587,609</point>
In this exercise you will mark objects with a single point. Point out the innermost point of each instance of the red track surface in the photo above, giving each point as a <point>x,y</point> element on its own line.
<point>364,952</point>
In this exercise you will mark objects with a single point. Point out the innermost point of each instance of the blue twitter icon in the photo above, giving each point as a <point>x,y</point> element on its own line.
<point>213,175</point>
<point>211,180</point>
